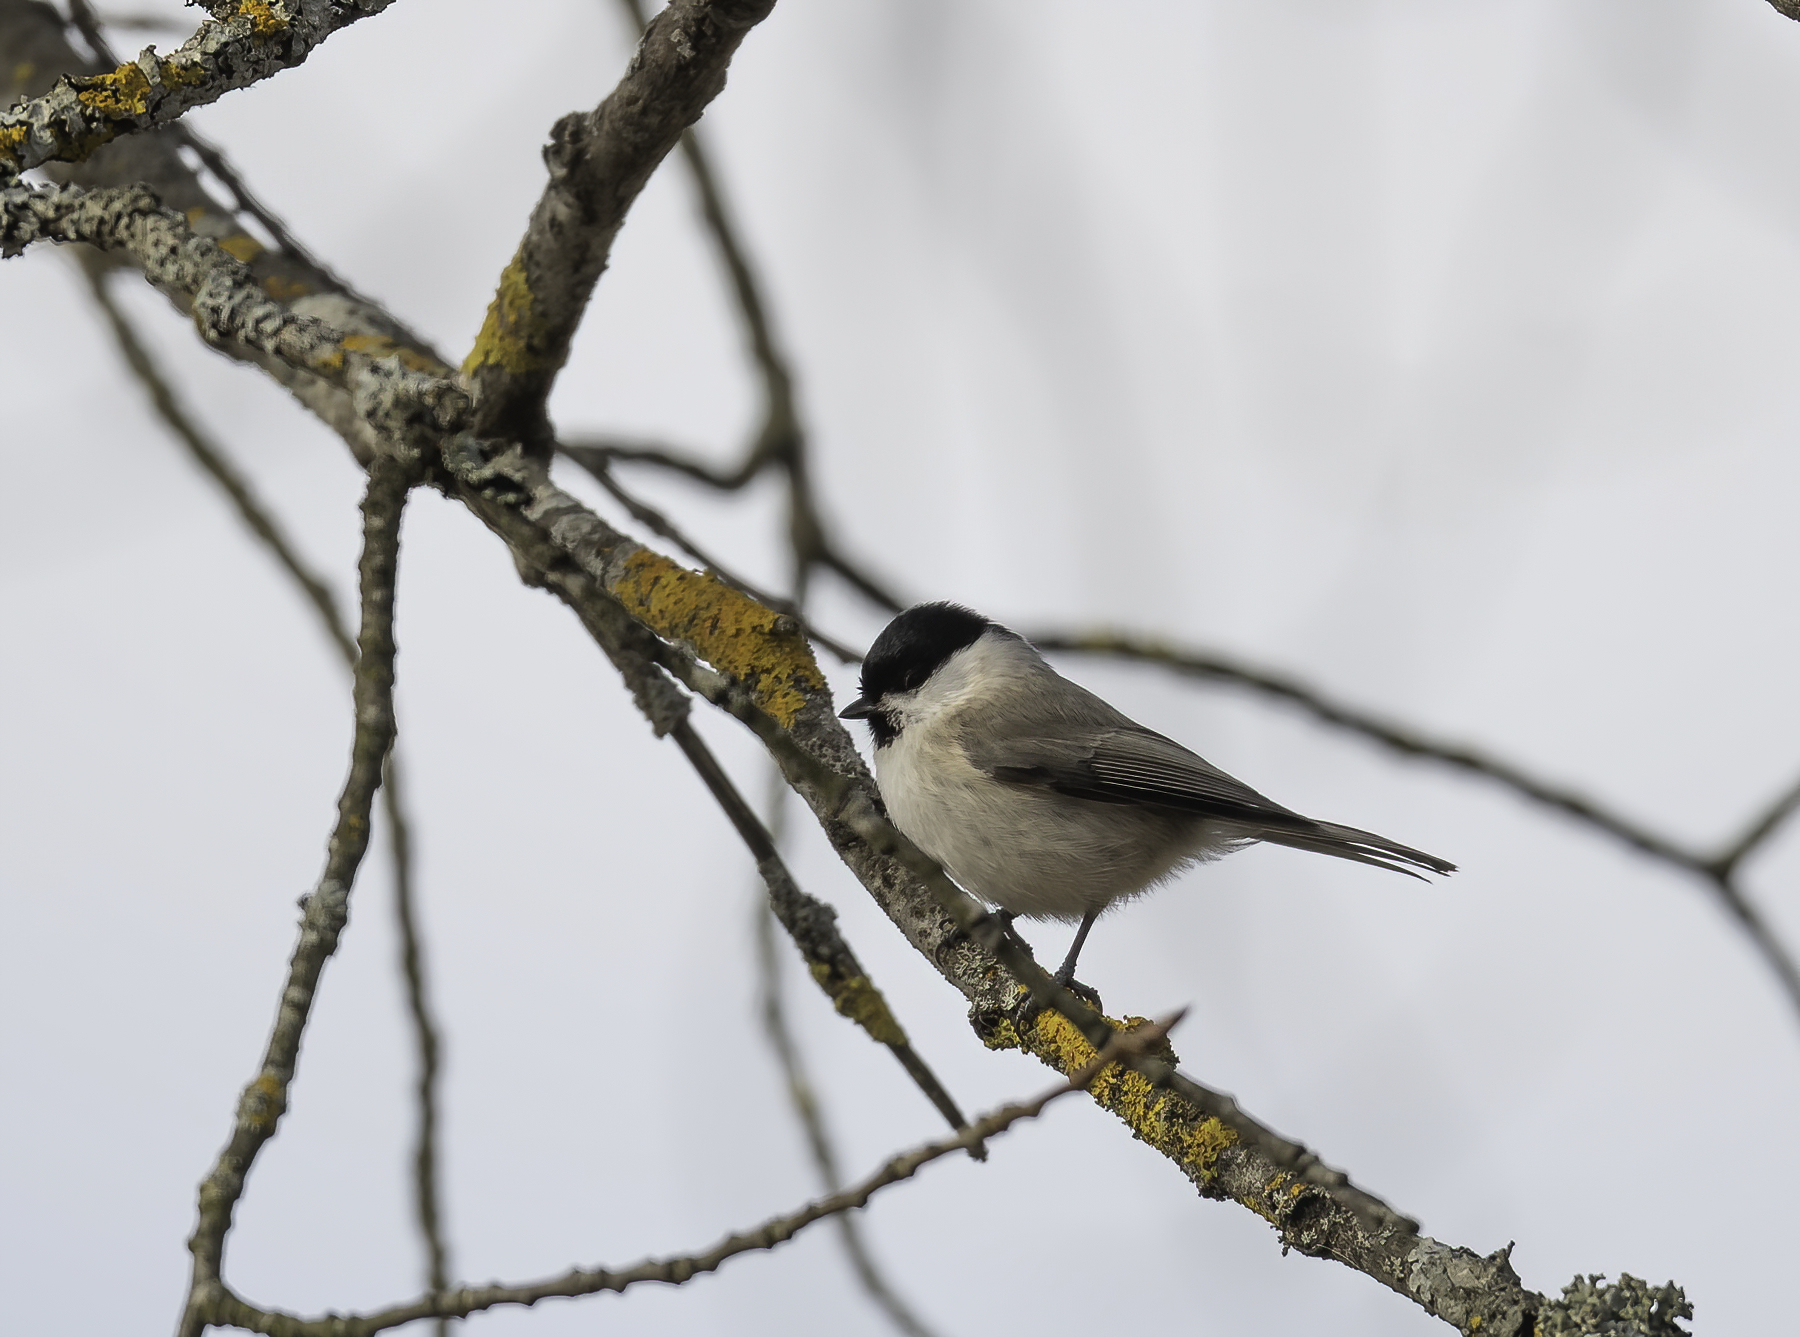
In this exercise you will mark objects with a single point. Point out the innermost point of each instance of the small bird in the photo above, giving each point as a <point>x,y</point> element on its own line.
<point>1039,797</point>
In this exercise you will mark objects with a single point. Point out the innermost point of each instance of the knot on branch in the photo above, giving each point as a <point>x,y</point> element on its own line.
<point>497,470</point>
<point>412,409</point>
<point>1627,1308</point>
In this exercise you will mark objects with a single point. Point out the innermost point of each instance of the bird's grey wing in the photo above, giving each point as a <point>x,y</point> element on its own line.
<point>1130,764</point>
<point>1124,765</point>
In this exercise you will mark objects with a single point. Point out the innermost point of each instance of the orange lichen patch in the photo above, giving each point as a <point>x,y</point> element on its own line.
<point>729,630</point>
<point>284,290</point>
<point>241,247</point>
<point>379,345</point>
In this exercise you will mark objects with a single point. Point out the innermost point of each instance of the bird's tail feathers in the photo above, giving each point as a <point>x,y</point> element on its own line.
<point>1346,842</point>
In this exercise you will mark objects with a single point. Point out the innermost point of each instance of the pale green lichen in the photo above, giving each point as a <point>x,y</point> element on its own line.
<point>1628,1308</point>
<point>729,630</point>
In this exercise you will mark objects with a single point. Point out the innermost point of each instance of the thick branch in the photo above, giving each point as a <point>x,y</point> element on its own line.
<point>394,399</point>
<point>327,908</point>
<point>245,42</point>
<point>599,162</point>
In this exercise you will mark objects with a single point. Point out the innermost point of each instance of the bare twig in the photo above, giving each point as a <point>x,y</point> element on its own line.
<point>675,1271</point>
<point>813,927</point>
<point>262,524</point>
<point>427,1209</point>
<point>257,519</point>
<point>804,1099</point>
<point>1758,831</point>
<point>1397,737</point>
<point>326,908</point>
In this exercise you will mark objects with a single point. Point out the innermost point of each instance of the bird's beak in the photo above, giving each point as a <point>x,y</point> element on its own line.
<point>859,709</point>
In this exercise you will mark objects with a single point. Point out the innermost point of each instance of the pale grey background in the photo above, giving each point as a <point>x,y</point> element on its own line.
<point>1440,352</point>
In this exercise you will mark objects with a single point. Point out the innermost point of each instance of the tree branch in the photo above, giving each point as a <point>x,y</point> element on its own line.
<point>252,42</point>
<point>805,1102</point>
<point>327,908</point>
<point>599,162</point>
<point>267,531</point>
<point>679,1270</point>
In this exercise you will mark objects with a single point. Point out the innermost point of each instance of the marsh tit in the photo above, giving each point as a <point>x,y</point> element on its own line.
<point>1037,796</point>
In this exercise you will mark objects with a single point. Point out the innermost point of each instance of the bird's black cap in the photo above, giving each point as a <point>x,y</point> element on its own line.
<point>909,650</point>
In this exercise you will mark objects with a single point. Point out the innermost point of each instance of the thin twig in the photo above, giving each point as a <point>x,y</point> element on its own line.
<point>676,1271</point>
<point>213,461</point>
<point>813,927</point>
<point>85,21</point>
<point>427,1210</point>
<point>1399,738</point>
<point>327,908</point>
<point>1759,830</point>
<point>804,1099</point>
<point>268,531</point>
<point>69,122</point>
<point>228,176</point>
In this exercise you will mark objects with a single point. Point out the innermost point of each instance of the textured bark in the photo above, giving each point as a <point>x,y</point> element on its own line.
<point>599,162</point>
<point>245,42</point>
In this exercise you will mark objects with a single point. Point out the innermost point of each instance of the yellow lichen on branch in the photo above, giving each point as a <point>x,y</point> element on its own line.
<point>264,21</point>
<point>1156,1116</point>
<point>117,94</point>
<point>858,999</point>
<point>759,647</point>
<point>513,336</point>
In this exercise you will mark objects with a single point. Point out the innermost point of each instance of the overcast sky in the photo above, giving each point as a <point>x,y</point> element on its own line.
<point>1439,353</point>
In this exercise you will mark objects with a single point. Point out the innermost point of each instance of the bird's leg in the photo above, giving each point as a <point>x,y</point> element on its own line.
<point>1065,973</point>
